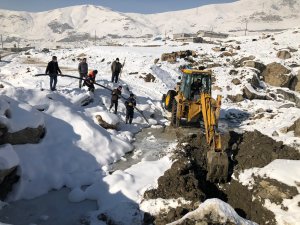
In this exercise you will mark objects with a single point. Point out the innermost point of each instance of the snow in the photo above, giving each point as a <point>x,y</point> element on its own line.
<point>18,116</point>
<point>284,171</point>
<point>8,157</point>
<point>85,20</point>
<point>77,153</point>
<point>220,211</point>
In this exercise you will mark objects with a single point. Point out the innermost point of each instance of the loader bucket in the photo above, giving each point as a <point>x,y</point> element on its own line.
<point>217,166</point>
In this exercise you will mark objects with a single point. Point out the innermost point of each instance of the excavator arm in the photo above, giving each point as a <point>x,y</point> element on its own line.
<point>217,160</point>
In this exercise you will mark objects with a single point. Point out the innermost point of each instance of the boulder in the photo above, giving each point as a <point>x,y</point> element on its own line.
<point>289,96</point>
<point>236,81</point>
<point>169,57</point>
<point>156,60</point>
<point>253,64</point>
<point>276,74</point>
<point>295,83</point>
<point>250,93</point>
<point>296,128</point>
<point>1,86</point>
<point>26,136</point>
<point>284,54</point>
<point>236,98</point>
<point>240,62</point>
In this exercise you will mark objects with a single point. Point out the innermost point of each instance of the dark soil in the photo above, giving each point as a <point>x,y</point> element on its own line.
<point>187,176</point>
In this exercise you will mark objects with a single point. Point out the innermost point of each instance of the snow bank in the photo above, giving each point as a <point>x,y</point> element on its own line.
<point>287,172</point>
<point>18,116</point>
<point>217,211</point>
<point>8,157</point>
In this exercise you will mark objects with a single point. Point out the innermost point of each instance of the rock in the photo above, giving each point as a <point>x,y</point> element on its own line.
<point>226,54</point>
<point>295,83</point>
<point>296,128</point>
<point>26,136</point>
<point>276,74</point>
<point>149,78</point>
<point>171,57</point>
<point>104,124</point>
<point>253,64</point>
<point>1,86</point>
<point>102,60</point>
<point>240,62</point>
<point>236,98</point>
<point>284,54</point>
<point>213,65</point>
<point>133,73</point>
<point>254,81</point>
<point>275,43</point>
<point>287,106</point>
<point>7,179</point>
<point>250,93</point>
<point>233,72</point>
<point>216,49</point>
<point>236,81</point>
<point>284,130</point>
<point>291,49</point>
<point>275,134</point>
<point>289,96</point>
<point>156,60</point>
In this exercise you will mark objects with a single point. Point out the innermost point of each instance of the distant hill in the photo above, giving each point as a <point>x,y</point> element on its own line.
<point>82,22</point>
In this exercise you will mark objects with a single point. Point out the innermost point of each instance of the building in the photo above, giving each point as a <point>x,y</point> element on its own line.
<point>185,37</point>
<point>211,34</point>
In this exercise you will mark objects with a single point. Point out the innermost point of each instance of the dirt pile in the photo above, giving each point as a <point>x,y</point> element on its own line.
<point>187,176</point>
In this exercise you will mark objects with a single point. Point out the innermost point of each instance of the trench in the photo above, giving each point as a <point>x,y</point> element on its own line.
<point>187,176</point>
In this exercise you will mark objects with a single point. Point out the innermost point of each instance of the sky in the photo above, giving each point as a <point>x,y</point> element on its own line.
<point>138,6</point>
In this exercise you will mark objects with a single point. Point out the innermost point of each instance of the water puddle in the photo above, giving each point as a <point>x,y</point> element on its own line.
<point>151,144</point>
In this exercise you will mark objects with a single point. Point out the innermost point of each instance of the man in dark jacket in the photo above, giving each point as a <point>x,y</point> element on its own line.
<point>83,70</point>
<point>90,80</point>
<point>53,70</point>
<point>115,95</point>
<point>116,68</point>
<point>130,104</point>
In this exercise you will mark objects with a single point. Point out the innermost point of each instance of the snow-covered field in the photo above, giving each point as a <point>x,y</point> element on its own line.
<point>76,152</point>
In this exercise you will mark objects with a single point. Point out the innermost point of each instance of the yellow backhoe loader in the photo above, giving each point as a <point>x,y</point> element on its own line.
<point>192,101</point>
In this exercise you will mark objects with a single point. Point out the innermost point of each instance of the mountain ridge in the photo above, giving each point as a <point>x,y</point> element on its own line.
<point>83,21</point>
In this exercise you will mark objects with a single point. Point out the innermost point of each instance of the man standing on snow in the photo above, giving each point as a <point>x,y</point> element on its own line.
<point>116,68</point>
<point>130,104</point>
<point>115,95</point>
<point>53,70</point>
<point>83,70</point>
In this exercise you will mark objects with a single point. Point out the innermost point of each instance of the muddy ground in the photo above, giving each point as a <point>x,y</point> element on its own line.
<point>187,177</point>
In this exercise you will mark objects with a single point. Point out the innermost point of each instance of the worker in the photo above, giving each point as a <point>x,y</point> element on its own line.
<point>130,104</point>
<point>82,70</point>
<point>196,88</point>
<point>90,80</point>
<point>115,95</point>
<point>116,68</point>
<point>53,70</point>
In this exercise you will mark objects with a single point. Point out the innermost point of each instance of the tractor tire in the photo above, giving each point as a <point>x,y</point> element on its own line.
<point>168,102</point>
<point>175,122</point>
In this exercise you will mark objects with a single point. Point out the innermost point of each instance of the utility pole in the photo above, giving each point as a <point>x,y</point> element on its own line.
<point>95,37</point>
<point>2,41</point>
<point>165,37</point>
<point>246,27</point>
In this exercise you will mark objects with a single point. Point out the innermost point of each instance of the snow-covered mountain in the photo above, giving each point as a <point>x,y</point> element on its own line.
<point>82,22</point>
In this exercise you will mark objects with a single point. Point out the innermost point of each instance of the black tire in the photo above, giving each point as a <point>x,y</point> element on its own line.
<point>175,122</point>
<point>168,103</point>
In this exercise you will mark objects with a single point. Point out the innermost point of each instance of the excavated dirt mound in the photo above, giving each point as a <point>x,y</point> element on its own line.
<point>187,176</point>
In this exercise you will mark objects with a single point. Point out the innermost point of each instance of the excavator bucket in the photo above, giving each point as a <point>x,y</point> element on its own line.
<point>217,166</point>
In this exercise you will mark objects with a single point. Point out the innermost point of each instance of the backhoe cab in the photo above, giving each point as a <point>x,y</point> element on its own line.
<point>192,101</point>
